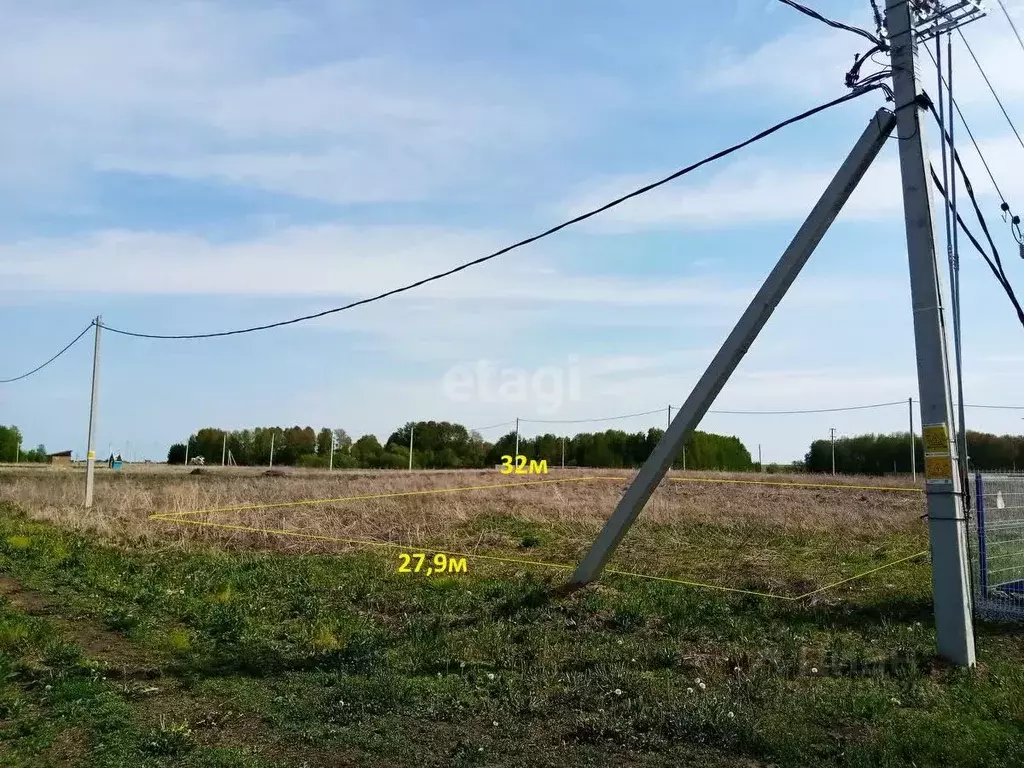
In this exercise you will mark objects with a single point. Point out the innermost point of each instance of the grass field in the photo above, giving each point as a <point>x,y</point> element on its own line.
<point>131,641</point>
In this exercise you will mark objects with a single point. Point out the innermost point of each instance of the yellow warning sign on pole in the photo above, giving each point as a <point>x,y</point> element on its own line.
<point>938,468</point>
<point>936,438</point>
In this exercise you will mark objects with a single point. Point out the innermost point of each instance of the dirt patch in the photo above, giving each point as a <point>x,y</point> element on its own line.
<point>113,650</point>
<point>68,747</point>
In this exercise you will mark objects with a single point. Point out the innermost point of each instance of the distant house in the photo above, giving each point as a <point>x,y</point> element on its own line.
<point>63,458</point>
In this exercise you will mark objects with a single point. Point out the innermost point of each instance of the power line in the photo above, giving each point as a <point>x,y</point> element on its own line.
<point>491,426</point>
<point>661,411</point>
<point>812,410</point>
<point>1004,204</point>
<point>1013,26</point>
<point>970,133</point>
<point>39,368</point>
<point>575,220</point>
<point>589,421</point>
<point>997,407</point>
<point>832,22</point>
<point>996,267</point>
<point>992,407</point>
<point>714,411</point>
<point>992,89</point>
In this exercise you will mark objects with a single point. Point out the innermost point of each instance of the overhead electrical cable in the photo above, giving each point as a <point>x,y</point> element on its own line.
<point>37,369</point>
<point>991,88</point>
<point>1013,26</point>
<point>1007,211</point>
<point>832,22</point>
<point>546,233</point>
<point>811,410</point>
<point>491,426</point>
<point>994,266</point>
<point>588,421</point>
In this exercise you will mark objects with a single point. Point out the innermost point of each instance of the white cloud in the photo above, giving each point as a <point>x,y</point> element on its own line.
<point>230,93</point>
<point>326,261</point>
<point>810,63</point>
<point>742,193</point>
<point>784,188</point>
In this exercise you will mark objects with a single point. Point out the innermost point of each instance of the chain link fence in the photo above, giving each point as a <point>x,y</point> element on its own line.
<point>997,551</point>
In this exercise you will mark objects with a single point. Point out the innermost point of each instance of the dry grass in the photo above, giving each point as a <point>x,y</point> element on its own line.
<point>124,502</point>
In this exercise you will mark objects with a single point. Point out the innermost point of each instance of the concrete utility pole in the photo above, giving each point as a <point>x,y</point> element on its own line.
<point>832,437</point>
<point>187,441</point>
<point>272,436</point>
<point>224,451</point>
<point>760,466</point>
<point>947,532</point>
<point>90,450</point>
<point>563,453</point>
<point>517,442</point>
<point>412,431</point>
<point>669,424</point>
<point>330,466</point>
<point>736,345</point>
<point>913,440</point>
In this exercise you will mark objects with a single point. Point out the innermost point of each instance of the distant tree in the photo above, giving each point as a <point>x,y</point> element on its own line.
<point>37,455</point>
<point>10,443</point>
<point>324,438</point>
<point>209,443</point>
<point>342,441</point>
<point>873,454</point>
<point>390,460</point>
<point>366,449</point>
<point>176,454</point>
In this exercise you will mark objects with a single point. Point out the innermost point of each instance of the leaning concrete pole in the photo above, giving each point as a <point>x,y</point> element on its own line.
<point>946,523</point>
<point>736,345</point>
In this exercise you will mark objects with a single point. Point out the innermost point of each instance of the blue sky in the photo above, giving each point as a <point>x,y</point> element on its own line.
<point>191,167</point>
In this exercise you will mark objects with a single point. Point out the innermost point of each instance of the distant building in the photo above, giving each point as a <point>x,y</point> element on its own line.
<point>63,458</point>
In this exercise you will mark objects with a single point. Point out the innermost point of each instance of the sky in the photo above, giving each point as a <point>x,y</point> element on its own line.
<point>188,167</point>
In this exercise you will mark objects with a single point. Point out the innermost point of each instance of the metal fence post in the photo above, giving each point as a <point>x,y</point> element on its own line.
<point>979,486</point>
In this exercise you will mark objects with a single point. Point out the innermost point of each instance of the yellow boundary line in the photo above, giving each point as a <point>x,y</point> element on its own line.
<point>370,497</point>
<point>519,561</point>
<point>429,491</point>
<point>865,573</point>
<point>781,484</point>
<point>472,556</point>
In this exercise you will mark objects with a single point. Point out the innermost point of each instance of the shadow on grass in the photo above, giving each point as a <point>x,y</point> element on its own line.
<point>895,609</point>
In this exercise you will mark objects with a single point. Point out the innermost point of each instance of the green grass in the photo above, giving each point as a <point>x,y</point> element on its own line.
<point>121,657</point>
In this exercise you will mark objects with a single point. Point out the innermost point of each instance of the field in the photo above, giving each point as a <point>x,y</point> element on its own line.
<point>285,635</point>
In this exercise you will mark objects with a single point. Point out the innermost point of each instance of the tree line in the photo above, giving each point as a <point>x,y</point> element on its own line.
<point>881,454</point>
<point>10,447</point>
<point>444,445</point>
